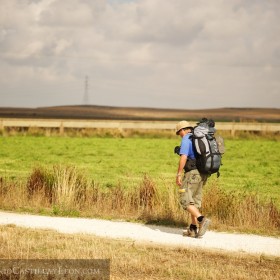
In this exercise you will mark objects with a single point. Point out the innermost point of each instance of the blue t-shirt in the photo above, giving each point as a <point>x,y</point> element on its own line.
<point>187,147</point>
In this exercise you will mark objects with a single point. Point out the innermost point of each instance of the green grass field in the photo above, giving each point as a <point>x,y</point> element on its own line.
<point>248,165</point>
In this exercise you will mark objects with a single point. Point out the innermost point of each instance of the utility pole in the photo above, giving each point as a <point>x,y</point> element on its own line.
<point>86,97</point>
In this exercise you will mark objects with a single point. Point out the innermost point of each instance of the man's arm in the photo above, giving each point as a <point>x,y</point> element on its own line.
<point>182,163</point>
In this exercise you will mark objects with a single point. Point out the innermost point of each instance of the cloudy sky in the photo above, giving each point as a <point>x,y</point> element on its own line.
<point>151,53</point>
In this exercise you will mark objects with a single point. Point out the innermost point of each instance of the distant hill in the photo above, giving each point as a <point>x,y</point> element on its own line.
<point>130,113</point>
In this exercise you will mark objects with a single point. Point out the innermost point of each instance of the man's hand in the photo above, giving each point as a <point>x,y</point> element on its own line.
<point>182,163</point>
<point>179,180</point>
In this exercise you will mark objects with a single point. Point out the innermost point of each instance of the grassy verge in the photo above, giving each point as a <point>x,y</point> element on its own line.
<point>106,177</point>
<point>130,260</point>
<point>249,165</point>
<point>64,190</point>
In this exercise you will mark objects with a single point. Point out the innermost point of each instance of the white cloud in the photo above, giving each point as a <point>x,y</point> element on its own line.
<point>150,53</point>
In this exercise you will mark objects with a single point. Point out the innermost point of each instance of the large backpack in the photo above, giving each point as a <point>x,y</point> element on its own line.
<point>208,148</point>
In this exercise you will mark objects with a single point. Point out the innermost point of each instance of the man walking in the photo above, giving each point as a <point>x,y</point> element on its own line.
<point>190,182</point>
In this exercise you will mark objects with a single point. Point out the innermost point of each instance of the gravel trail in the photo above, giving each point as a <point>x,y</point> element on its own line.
<point>252,244</point>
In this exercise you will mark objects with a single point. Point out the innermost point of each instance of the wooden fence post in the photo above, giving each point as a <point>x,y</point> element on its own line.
<point>61,129</point>
<point>232,129</point>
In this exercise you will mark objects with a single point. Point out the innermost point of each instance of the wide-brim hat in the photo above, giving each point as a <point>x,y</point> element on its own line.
<point>182,124</point>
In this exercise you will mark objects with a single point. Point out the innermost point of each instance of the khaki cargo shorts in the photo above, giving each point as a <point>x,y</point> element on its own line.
<point>191,190</point>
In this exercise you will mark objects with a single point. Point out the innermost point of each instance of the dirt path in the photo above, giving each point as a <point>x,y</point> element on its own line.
<point>252,244</point>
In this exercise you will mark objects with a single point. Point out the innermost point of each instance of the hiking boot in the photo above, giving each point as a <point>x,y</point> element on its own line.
<point>202,227</point>
<point>190,232</point>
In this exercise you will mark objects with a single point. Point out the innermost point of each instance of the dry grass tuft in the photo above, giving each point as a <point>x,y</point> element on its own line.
<point>148,198</point>
<point>40,182</point>
<point>241,210</point>
<point>69,188</point>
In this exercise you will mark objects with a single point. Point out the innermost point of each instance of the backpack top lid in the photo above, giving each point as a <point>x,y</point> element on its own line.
<point>204,127</point>
<point>210,123</point>
<point>201,130</point>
